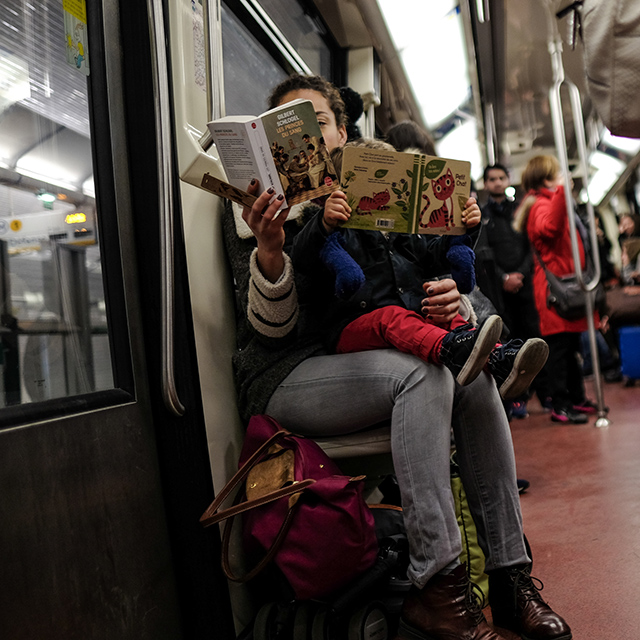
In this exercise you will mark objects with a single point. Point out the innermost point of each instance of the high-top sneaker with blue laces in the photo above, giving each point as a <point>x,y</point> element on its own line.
<point>465,350</point>
<point>515,364</point>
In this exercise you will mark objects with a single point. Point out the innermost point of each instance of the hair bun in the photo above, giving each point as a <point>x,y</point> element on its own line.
<point>354,106</point>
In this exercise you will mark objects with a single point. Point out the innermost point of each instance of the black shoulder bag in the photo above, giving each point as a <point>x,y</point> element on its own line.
<point>564,294</point>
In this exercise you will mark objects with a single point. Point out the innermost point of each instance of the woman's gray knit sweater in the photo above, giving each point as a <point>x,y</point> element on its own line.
<point>273,335</point>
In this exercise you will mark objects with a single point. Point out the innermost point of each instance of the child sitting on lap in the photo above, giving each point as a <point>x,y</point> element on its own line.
<point>390,309</point>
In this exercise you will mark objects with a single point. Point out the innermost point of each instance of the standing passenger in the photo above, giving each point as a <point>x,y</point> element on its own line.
<point>543,216</point>
<point>505,269</point>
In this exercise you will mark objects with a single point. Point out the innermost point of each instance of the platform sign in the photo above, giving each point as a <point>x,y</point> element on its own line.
<point>31,231</point>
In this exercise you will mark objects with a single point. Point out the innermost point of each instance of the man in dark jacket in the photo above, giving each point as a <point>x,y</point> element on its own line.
<point>504,262</point>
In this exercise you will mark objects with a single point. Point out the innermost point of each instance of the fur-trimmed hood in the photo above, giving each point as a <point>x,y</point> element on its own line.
<point>522,212</point>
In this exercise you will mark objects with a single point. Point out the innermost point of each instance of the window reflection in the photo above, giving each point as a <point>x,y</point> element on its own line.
<point>304,31</point>
<point>53,329</point>
<point>249,72</point>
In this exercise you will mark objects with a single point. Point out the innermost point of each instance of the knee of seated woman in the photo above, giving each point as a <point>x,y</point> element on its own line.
<point>414,370</point>
<point>485,385</point>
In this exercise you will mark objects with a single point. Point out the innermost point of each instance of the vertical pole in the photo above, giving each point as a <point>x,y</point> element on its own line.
<point>555,102</point>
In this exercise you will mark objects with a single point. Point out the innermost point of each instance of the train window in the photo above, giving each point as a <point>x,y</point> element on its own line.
<point>264,42</point>
<point>250,71</point>
<point>304,30</point>
<point>53,329</point>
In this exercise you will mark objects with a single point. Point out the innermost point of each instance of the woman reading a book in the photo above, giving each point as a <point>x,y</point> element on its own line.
<point>283,370</point>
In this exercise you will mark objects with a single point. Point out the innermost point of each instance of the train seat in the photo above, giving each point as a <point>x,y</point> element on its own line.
<point>365,452</point>
<point>373,441</point>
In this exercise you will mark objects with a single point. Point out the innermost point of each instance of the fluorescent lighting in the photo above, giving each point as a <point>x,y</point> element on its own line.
<point>608,170</point>
<point>89,188</point>
<point>604,161</point>
<point>45,196</point>
<point>48,179</point>
<point>49,172</point>
<point>628,145</point>
<point>438,90</point>
<point>14,79</point>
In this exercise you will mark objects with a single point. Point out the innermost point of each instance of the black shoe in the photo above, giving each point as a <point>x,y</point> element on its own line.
<point>523,485</point>
<point>465,350</point>
<point>568,416</point>
<point>612,375</point>
<point>515,364</point>
<point>547,405</point>
<point>516,604</point>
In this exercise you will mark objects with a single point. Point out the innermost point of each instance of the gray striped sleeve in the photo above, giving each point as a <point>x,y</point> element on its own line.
<point>273,306</point>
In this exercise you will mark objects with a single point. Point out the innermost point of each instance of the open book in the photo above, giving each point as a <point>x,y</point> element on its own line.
<point>283,148</point>
<point>405,192</point>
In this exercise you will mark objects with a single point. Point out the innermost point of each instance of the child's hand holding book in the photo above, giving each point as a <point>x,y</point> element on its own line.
<point>336,211</point>
<point>471,215</point>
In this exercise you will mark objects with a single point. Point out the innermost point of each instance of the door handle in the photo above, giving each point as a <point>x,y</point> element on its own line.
<point>165,200</point>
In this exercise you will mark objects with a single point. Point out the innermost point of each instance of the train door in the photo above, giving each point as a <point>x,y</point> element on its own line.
<point>104,469</point>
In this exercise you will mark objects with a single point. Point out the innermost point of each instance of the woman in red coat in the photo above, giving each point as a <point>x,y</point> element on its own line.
<point>543,215</point>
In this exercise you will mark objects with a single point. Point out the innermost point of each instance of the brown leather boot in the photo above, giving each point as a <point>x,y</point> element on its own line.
<point>516,604</point>
<point>445,609</point>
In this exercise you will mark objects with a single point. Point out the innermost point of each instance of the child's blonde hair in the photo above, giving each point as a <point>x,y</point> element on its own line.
<point>538,170</point>
<point>369,143</point>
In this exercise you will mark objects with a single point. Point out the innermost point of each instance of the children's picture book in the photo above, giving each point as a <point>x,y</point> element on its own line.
<point>405,192</point>
<point>283,148</point>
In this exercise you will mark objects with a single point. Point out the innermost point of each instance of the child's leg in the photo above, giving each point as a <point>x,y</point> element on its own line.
<point>458,321</point>
<point>396,327</point>
<point>515,365</point>
<point>463,350</point>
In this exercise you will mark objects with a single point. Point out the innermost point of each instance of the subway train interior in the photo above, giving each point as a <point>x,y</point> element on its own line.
<point>118,414</point>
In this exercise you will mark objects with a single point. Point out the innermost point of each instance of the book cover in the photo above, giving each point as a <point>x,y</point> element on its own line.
<point>283,148</point>
<point>405,192</point>
<point>226,190</point>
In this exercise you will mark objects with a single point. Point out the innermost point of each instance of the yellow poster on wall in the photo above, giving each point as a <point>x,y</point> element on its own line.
<point>75,28</point>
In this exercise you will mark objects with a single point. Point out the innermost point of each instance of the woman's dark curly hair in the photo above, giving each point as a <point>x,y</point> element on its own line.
<point>297,82</point>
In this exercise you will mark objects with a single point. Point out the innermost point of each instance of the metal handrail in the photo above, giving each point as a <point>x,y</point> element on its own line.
<point>165,201</point>
<point>555,49</point>
<point>555,102</point>
<point>212,16</point>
